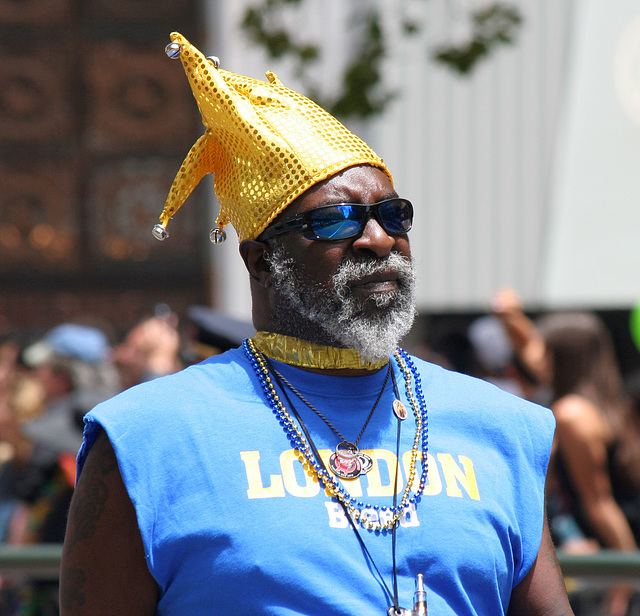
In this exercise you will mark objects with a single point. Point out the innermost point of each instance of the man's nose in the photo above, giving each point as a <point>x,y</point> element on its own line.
<point>374,239</point>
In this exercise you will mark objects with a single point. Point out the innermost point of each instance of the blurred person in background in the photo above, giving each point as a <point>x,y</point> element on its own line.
<point>597,427</point>
<point>72,364</point>
<point>495,359</point>
<point>21,399</point>
<point>210,332</point>
<point>150,349</point>
<point>45,389</point>
<point>596,460</point>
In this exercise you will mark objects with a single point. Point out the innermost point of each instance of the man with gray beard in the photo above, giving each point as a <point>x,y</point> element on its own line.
<point>374,328</point>
<point>318,469</point>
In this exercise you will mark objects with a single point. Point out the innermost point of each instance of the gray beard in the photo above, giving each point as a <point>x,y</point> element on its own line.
<point>332,315</point>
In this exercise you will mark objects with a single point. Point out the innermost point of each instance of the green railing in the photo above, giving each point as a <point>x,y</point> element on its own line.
<point>32,561</point>
<point>603,567</point>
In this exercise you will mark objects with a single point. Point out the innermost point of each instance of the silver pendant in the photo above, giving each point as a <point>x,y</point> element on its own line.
<point>348,462</point>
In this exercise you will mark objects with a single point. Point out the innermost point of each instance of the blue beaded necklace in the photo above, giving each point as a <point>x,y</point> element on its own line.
<point>300,443</point>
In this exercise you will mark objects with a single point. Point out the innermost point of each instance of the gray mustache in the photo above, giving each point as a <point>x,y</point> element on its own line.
<point>351,270</point>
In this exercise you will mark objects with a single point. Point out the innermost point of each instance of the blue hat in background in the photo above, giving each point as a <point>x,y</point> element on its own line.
<point>68,340</point>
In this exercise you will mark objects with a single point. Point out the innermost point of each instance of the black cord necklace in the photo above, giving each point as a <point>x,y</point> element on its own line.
<point>357,512</point>
<point>392,597</point>
<point>347,461</point>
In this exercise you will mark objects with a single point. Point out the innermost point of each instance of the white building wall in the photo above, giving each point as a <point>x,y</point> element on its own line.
<point>592,255</point>
<point>475,154</point>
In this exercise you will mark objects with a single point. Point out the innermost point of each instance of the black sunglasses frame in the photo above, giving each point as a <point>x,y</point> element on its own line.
<point>302,222</point>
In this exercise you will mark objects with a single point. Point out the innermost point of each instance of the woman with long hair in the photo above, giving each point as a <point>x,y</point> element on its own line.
<point>598,439</point>
<point>594,476</point>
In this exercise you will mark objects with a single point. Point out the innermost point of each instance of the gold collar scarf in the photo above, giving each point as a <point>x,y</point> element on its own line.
<point>305,354</point>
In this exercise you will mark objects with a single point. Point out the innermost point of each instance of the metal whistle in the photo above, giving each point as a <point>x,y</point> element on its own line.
<point>419,601</point>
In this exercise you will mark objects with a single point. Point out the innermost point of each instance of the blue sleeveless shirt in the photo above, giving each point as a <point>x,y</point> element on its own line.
<point>232,522</point>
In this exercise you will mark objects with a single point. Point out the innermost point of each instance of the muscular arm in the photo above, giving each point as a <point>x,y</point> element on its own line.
<point>104,572</point>
<point>542,591</point>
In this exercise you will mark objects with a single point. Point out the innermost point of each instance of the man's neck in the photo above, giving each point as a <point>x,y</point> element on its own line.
<point>314,357</point>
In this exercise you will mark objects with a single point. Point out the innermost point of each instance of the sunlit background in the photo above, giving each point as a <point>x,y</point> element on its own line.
<point>523,168</point>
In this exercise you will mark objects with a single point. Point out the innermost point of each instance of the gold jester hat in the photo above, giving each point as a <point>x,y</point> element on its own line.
<point>264,143</point>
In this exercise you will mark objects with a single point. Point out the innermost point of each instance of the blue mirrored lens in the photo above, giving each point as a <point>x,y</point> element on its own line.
<point>338,222</point>
<point>396,215</point>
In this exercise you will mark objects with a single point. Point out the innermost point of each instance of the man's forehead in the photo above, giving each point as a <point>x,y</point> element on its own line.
<point>360,184</point>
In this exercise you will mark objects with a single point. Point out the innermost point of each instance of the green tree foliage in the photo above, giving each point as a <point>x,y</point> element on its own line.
<point>362,93</point>
<point>493,26</point>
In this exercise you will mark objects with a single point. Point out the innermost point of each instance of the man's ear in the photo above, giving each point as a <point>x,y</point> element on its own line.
<point>253,255</point>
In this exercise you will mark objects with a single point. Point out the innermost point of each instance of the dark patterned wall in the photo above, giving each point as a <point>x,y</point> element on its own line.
<point>94,123</point>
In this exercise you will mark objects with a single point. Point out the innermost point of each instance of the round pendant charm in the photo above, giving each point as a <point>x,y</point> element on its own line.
<point>344,461</point>
<point>366,462</point>
<point>343,467</point>
<point>399,409</point>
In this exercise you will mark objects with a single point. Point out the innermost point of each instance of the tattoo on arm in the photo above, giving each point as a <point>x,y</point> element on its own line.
<point>103,561</point>
<point>72,594</point>
<point>95,492</point>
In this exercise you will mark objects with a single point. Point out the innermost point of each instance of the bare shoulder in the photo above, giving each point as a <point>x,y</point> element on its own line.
<point>578,416</point>
<point>573,407</point>
<point>104,570</point>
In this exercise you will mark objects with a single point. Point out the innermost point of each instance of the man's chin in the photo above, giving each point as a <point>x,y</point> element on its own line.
<point>375,306</point>
<point>377,332</point>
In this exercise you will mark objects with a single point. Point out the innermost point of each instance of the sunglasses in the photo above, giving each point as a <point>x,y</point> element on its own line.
<point>345,220</point>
